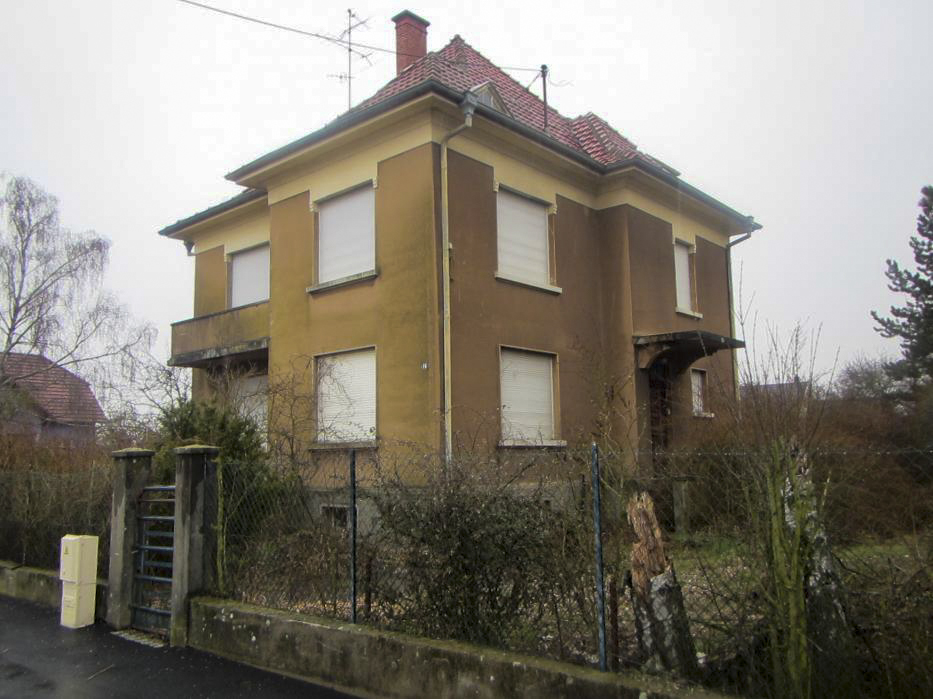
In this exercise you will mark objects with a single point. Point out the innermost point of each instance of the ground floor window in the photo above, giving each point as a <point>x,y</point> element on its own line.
<point>346,396</point>
<point>698,390</point>
<point>527,396</point>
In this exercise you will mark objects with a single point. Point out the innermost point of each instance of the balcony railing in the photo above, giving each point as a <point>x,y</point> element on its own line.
<point>242,331</point>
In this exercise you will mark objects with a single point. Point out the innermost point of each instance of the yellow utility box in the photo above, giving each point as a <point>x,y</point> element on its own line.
<point>78,573</point>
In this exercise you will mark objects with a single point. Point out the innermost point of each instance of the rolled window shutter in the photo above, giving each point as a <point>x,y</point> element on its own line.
<point>347,396</point>
<point>522,239</point>
<point>346,235</point>
<point>698,390</point>
<point>249,271</point>
<point>527,396</point>
<point>682,275</point>
<point>252,398</point>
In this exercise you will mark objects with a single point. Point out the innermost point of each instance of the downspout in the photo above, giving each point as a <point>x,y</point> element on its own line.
<point>735,361</point>
<point>468,105</point>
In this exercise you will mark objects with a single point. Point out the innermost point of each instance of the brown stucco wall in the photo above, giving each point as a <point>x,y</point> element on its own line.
<point>487,313</point>
<point>396,312</point>
<point>654,301</point>
<point>616,270</point>
<point>210,281</point>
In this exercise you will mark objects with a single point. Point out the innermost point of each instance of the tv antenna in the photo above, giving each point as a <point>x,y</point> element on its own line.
<point>352,23</point>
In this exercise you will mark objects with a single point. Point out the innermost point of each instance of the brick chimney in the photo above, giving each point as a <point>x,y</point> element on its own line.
<point>411,39</point>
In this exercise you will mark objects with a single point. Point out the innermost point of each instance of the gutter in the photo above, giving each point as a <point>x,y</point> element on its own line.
<point>468,105</point>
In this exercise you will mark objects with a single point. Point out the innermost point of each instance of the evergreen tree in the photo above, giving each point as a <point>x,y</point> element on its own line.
<point>913,322</point>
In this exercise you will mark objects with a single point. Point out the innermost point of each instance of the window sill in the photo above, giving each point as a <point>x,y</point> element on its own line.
<point>531,285</point>
<point>704,416</point>
<point>529,444</point>
<point>689,313</point>
<point>343,281</point>
<point>344,446</point>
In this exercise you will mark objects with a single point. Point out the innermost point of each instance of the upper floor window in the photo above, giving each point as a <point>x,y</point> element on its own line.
<point>346,396</point>
<point>249,276</point>
<point>346,243</point>
<point>527,393</point>
<point>522,239</point>
<point>683,275</point>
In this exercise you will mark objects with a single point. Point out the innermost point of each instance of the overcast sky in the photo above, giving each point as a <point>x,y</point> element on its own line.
<point>816,117</point>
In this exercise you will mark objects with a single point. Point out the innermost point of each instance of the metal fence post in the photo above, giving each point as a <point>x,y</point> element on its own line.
<point>353,535</point>
<point>598,540</point>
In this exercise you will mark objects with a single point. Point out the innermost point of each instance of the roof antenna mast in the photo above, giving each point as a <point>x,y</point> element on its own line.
<point>352,23</point>
<point>544,86</point>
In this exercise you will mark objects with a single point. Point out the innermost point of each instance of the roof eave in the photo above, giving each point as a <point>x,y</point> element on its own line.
<point>353,118</point>
<point>241,199</point>
<point>747,223</point>
<point>341,123</point>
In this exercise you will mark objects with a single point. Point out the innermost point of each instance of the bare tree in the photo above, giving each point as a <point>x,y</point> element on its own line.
<point>51,300</point>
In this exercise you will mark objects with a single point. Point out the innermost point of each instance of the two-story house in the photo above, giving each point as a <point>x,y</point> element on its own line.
<point>460,263</point>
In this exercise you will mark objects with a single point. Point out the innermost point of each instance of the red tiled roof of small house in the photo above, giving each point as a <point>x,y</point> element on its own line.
<point>62,396</point>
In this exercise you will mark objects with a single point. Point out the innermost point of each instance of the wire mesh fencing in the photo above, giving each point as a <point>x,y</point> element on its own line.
<point>474,552</point>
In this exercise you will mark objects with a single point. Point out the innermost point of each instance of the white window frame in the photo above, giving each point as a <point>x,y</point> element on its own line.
<point>510,271</point>
<point>509,436</point>
<point>232,263</point>
<point>325,435</point>
<point>366,267</point>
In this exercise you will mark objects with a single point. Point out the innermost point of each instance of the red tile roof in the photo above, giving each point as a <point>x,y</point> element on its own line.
<point>63,397</point>
<point>461,67</point>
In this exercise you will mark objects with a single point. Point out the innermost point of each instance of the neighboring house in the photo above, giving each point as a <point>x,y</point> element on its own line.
<point>461,267</point>
<point>46,401</point>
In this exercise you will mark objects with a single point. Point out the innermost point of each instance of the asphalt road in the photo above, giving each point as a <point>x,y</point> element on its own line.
<point>39,658</point>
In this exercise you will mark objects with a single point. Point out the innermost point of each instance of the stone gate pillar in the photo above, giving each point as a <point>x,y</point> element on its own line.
<point>195,514</point>
<point>131,469</point>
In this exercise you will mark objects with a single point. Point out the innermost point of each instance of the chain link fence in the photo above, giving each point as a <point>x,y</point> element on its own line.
<point>801,573</point>
<point>476,551</point>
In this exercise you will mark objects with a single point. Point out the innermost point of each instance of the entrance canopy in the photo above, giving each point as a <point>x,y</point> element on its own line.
<point>681,349</point>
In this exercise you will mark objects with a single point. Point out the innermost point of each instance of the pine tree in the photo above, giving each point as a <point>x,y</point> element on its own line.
<point>913,322</point>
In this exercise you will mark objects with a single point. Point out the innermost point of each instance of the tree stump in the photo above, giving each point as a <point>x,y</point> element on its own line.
<point>661,625</point>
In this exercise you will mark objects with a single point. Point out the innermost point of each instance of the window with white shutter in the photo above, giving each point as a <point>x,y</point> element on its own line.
<point>346,235</point>
<point>251,398</point>
<point>527,391</point>
<point>698,391</point>
<point>683,276</point>
<point>249,276</point>
<point>346,396</point>
<point>522,238</point>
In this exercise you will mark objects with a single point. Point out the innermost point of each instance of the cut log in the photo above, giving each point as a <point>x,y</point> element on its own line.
<point>661,625</point>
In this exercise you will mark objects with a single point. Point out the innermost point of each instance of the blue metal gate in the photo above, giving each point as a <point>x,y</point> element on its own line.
<point>152,565</point>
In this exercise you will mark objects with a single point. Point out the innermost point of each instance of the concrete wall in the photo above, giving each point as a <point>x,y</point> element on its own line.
<point>42,586</point>
<point>392,665</point>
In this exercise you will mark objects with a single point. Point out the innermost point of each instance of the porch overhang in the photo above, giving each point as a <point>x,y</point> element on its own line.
<point>681,349</point>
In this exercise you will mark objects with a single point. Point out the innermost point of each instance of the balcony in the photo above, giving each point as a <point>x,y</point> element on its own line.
<point>239,333</point>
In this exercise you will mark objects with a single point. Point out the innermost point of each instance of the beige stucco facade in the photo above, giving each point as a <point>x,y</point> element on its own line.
<point>612,276</point>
